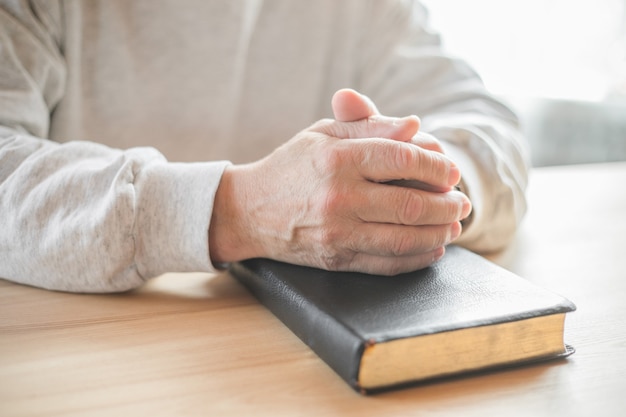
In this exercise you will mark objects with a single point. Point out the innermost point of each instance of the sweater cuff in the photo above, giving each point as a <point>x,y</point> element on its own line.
<point>174,203</point>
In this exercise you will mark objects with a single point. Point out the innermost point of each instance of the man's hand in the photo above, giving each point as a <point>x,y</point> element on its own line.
<point>351,106</point>
<point>324,200</point>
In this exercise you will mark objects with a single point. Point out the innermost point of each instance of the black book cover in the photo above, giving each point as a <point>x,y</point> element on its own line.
<point>338,313</point>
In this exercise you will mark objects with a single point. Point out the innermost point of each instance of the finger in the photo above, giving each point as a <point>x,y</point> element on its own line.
<point>382,160</point>
<point>419,185</point>
<point>349,106</point>
<point>398,128</point>
<point>397,240</point>
<point>394,265</point>
<point>427,141</point>
<point>384,203</point>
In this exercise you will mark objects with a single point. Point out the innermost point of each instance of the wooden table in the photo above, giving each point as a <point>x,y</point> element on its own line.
<point>199,344</point>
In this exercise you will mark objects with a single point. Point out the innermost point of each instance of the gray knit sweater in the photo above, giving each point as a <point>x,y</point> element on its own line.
<point>117,119</point>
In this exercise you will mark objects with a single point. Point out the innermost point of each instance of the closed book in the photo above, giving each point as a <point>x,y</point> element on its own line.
<point>460,315</point>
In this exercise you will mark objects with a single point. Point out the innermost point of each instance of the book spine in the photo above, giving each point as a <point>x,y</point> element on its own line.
<point>340,348</point>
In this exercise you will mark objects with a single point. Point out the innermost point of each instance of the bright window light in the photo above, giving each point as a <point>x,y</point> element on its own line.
<point>561,49</point>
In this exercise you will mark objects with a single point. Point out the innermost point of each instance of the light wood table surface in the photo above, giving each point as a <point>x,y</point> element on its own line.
<point>199,344</point>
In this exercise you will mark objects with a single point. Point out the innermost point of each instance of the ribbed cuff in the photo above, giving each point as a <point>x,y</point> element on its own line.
<point>174,203</point>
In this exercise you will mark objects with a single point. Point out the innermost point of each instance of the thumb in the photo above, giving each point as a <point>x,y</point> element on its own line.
<point>400,129</point>
<point>361,118</point>
<point>349,106</point>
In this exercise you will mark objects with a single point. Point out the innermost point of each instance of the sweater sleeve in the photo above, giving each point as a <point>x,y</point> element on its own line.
<point>406,71</point>
<point>80,216</point>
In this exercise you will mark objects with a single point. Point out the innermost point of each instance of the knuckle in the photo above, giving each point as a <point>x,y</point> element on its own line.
<point>322,125</point>
<point>433,165</point>
<point>333,262</point>
<point>372,125</point>
<point>404,244</point>
<point>335,259</point>
<point>333,201</point>
<point>429,161</point>
<point>329,236</point>
<point>333,157</point>
<point>335,253</point>
<point>405,156</point>
<point>356,129</point>
<point>412,207</point>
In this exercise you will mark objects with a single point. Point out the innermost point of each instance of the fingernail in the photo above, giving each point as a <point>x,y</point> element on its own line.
<point>412,119</point>
<point>454,176</point>
<point>438,253</point>
<point>456,230</point>
<point>467,208</point>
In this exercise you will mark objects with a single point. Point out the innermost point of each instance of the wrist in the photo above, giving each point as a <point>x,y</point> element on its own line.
<point>229,233</point>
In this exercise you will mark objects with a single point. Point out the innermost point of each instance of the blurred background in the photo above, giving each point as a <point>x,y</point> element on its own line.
<point>561,64</point>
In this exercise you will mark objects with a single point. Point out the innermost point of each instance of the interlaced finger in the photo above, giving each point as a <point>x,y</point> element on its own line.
<point>382,160</point>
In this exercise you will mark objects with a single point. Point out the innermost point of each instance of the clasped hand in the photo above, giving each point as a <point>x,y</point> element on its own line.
<point>328,198</point>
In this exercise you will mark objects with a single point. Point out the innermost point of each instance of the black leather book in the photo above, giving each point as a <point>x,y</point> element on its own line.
<point>460,315</point>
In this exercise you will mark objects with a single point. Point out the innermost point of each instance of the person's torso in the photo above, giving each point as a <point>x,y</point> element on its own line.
<point>202,80</point>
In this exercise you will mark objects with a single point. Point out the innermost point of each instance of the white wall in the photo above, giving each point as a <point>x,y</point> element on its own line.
<point>560,63</point>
